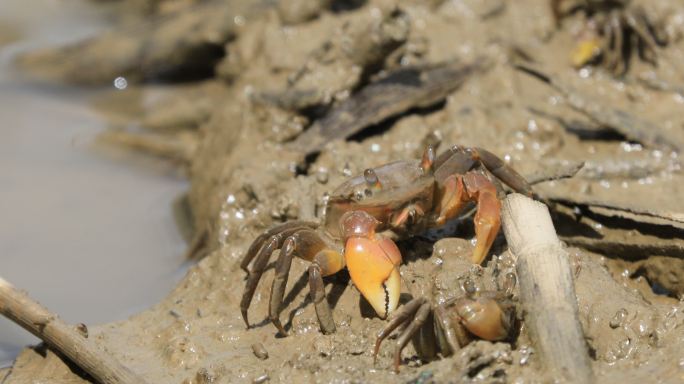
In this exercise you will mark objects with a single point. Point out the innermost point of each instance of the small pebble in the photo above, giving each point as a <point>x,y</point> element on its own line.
<point>261,379</point>
<point>322,175</point>
<point>259,351</point>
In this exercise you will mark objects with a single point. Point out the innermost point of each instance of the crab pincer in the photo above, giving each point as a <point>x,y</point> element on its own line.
<point>373,262</point>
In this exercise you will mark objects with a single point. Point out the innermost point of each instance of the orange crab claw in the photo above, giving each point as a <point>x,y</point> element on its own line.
<point>373,262</point>
<point>483,317</point>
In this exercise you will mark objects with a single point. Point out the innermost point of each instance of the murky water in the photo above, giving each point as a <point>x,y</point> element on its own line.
<point>89,237</point>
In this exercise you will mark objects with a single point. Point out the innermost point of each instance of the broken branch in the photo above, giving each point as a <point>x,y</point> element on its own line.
<point>546,289</point>
<point>62,338</point>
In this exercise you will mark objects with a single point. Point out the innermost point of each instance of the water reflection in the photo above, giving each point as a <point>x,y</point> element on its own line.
<point>89,237</point>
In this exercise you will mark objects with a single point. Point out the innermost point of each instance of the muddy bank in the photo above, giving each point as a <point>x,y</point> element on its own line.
<point>281,73</point>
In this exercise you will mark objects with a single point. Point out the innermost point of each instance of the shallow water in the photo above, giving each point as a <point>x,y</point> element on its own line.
<point>74,224</point>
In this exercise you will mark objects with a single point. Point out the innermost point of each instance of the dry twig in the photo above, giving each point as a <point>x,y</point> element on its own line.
<point>62,338</point>
<point>400,91</point>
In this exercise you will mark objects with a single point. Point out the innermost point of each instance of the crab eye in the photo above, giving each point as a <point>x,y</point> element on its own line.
<point>367,192</point>
<point>359,195</point>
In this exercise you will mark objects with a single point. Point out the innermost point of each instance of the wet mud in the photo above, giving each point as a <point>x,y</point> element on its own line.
<point>283,69</point>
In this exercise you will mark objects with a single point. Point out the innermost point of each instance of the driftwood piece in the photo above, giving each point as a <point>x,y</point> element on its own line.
<point>546,289</point>
<point>623,235</point>
<point>637,214</point>
<point>63,338</point>
<point>397,93</point>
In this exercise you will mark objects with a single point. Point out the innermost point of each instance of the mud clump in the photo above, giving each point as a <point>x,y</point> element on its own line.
<point>271,72</point>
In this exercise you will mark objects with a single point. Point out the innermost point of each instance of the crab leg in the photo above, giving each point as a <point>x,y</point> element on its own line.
<point>259,242</point>
<point>280,281</point>
<point>416,323</point>
<point>502,170</point>
<point>261,261</point>
<point>487,219</point>
<point>453,198</point>
<point>459,190</point>
<point>326,262</point>
<point>638,22</point>
<point>400,317</point>
<point>418,307</point>
<point>614,49</point>
<point>255,274</point>
<point>308,245</point>
<point>450,338</point>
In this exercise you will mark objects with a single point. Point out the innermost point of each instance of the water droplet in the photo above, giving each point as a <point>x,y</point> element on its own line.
<point>346,170</point>
<point>120,83</point>
<point>631,147</point>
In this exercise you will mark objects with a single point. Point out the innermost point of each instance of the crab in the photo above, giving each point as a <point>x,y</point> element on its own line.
<point>442,328</point>
<point>615,29</point>
<point>365,214</point>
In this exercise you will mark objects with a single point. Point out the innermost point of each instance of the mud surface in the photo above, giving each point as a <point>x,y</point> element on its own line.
<point>245,177</point>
